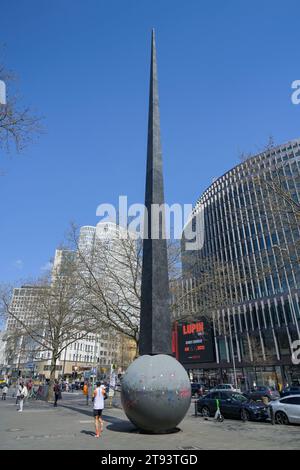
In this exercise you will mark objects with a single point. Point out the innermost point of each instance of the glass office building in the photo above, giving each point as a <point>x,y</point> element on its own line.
<point>251,233</point>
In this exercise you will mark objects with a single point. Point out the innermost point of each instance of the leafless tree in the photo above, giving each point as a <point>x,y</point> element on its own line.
<point>205,288</point>
<point>110,276</point>
<point>55,318</point>
<point>18,123</point>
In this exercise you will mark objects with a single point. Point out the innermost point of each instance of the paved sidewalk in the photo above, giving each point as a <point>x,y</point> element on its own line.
<point>70,426</point>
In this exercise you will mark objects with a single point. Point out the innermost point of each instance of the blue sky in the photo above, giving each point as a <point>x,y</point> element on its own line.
<point>225,74</point>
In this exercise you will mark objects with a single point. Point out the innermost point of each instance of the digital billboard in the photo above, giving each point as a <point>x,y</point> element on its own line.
<point>195,342</point>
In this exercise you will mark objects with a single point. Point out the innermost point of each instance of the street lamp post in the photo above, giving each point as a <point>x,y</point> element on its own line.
<point>94,363</point>
<point>232,352</point>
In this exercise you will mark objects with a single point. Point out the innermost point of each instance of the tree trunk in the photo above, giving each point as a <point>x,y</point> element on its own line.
<point>52,377</point>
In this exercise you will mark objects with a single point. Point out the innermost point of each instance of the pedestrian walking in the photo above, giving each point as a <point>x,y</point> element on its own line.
<point>57,392</point>
<point>23,396</point>
<point>19,390</point>
<point>111,390</point>
<point>98,406</point>
<point>29,386</point>
<point>85,392</point>
<point>4,392</point>
<point>111,394</point>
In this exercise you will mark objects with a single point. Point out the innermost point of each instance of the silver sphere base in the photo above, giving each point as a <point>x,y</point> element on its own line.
<point>156,393</point>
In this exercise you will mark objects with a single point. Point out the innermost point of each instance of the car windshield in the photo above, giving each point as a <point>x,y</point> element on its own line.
<point>238,397</point>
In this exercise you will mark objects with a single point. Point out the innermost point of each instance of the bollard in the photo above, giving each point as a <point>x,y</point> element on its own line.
<point>272,414</point>
<point>196,408</point>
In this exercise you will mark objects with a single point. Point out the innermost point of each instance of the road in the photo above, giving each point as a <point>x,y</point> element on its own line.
<point>70,426</point>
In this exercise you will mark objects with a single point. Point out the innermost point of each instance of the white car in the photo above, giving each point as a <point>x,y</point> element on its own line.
<point>287,410</point>
<point>226,387</point>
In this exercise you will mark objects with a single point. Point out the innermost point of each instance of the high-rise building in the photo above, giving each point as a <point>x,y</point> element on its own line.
<point>251,237</point>
<point>62,262</point>
<point>21,350</point>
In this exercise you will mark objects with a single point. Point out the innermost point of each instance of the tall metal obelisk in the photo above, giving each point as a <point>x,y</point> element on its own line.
<point>156,391</point>
<point>155,322</point>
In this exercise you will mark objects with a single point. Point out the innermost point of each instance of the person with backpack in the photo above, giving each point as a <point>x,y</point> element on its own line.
<point>57,392</point>
<point>22,397</point>
<point>98,405</point>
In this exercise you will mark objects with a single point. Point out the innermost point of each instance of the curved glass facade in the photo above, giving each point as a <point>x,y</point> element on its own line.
<point>251,232</point>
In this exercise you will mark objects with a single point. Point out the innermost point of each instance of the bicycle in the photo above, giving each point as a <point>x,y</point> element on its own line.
<point>33,395</point>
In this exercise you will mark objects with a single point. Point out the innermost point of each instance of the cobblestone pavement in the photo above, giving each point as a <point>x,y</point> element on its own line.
<point>70,426</point>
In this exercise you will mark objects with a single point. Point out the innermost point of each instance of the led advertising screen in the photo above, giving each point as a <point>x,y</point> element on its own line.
<point>195,342</point>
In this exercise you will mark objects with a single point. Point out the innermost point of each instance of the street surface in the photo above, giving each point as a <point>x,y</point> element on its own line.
<point>71,426</point>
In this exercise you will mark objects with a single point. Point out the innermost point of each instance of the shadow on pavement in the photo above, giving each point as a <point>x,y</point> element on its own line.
<point>118,425</point>
<point>88,433</point>
<point>115,424</point>
<point>79,410</point>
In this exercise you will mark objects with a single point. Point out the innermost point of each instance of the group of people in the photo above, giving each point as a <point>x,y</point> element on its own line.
<point>23,390</point>
<point>98,395</point>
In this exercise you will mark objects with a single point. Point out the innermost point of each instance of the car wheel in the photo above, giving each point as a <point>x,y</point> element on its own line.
<point>245,415</point>
<point>281,418</point>
<point>205,412</point>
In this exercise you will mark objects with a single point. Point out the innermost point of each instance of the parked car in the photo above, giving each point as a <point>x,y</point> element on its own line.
<point>232,405</point>
<point>260,392</point>
<point>226,387</point>
<point>287,410</point>
<point>292,390</point>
